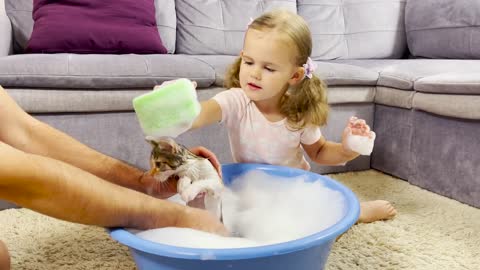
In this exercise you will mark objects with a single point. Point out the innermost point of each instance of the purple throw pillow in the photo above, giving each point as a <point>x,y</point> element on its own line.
<point>95,26</point>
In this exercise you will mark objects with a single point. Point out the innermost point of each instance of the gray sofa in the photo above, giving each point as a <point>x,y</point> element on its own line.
<point>372,54</point>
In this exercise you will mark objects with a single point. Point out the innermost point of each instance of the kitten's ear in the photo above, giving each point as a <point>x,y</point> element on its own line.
<point>168,144</point>
<point>151,141</point>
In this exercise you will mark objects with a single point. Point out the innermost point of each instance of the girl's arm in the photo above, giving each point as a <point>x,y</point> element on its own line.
<point>331,153</point>
<point>328,153</point>
<point>210,113</point>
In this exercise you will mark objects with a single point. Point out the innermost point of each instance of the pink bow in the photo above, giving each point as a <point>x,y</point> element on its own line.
<point>309,67</point>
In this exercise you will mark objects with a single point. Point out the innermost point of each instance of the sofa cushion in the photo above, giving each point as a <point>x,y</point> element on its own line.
<point>86,100</point>
<point>166,19</point>
<point>452,83</point>
<point>77,100</point>
<point>218,27</point>
<point>74,71</point>
<point>443,28</point>
<point>350,94</point>
<point>445,160</point>
<point>6,30</point>
<point>394,97</point>
<point>392,150</point>
<point>404,74</point>
<point>346,29</point>
<point>336,95</point>
<point>114,100</point>
<point>376,65</point>
<point>341,74</point>
<point>332,73</point>
<point>20,14</point>
<point>219,63</point>
<point>77,26</point>
<point>458,106</point>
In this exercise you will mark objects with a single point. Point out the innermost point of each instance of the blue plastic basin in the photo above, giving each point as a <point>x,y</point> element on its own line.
<point>308,253</point>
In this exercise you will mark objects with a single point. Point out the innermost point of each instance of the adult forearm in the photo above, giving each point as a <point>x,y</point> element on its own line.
<point>47,141</point>
<point>60,190</point>
<point>333,154</point>
<point>30,135</point>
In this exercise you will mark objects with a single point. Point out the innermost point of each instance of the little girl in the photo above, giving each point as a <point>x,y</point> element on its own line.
<point>276,105</point>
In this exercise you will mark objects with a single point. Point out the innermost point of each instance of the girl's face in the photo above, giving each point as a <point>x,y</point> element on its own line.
<point>268,67</point>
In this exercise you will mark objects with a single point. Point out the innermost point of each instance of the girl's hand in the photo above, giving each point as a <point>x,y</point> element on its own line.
<point>204,152</point>
<point>360,128</point>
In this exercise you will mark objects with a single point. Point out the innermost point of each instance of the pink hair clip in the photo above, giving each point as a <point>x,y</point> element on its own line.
<point>309,67</point>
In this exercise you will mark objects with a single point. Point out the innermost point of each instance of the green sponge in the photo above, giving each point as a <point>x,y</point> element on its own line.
<point>168,110</point>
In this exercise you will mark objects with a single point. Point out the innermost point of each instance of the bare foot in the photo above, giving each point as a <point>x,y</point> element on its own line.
<point>376,210</point>
<point>4,257</point>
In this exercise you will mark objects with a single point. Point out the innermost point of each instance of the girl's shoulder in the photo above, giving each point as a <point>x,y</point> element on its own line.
<point>310,134</point>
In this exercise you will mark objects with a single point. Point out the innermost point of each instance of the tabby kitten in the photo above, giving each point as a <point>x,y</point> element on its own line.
<point>195,174</point>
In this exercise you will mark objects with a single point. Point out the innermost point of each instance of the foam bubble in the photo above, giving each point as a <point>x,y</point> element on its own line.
<point>263,209</point>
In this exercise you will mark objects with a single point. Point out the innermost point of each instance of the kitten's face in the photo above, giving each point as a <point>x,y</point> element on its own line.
<point>167,157</point>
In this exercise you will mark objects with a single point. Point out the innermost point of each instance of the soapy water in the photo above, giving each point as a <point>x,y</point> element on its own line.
<point>261,209</point>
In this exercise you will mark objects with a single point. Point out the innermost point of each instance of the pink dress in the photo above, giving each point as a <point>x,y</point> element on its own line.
<point>254,139</point>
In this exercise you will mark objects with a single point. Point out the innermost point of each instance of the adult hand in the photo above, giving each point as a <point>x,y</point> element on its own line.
<point>155,188</point>
<point>200,220</point>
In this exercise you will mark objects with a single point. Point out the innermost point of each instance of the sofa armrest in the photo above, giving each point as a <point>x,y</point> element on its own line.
<point>5,34</point>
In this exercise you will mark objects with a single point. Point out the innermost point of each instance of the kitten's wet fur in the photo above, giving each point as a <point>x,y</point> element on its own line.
<point>195,174</point>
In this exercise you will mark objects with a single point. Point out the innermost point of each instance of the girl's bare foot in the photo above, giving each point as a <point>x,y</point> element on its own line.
<point>4,257</point>
<point>376,210</point>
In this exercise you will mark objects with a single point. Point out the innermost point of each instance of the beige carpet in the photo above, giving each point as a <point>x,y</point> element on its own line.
<point>430,232</point>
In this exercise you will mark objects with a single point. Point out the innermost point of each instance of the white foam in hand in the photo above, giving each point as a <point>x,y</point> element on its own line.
<point>361,144</point>
<point>358,137</point>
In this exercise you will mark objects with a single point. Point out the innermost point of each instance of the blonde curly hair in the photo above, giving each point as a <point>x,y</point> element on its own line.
<point>304,104</point>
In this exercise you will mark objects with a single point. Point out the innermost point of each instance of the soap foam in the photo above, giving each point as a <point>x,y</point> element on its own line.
<point>263,209</point>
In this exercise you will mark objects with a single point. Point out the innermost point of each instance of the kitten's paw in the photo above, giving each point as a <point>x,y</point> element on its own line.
<point>183,185</point>
<point>210,187</point>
